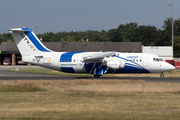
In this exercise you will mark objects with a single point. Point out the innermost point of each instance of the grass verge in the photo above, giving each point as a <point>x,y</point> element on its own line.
<point>23,87</point>
<point>51,72</point>
<point>89,99</point>
<point>174,73</point>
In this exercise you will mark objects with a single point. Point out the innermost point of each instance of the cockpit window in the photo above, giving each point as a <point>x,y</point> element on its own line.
<point>160,59</point>
<point>157,59</point>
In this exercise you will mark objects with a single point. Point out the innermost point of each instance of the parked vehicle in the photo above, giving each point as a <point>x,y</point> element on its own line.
<point>6,61</point>
<point>175,63</point>
<point>20,62</point>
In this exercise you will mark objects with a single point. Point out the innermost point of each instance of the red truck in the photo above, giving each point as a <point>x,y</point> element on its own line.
<point>175,63</point>
<point>6,61</point>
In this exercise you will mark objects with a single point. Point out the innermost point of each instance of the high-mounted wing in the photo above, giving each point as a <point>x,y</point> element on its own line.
<point>99,56</point>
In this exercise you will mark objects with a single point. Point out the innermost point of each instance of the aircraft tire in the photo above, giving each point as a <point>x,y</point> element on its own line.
<point>162,75</point>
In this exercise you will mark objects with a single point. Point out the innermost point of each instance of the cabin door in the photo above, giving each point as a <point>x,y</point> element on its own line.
<point>56,61</point>
<point>146,61</point>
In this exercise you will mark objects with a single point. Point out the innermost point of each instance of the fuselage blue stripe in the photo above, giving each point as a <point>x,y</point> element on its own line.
<point>67,69</point>
<point>67,57</point>
<point>134,65</point>
<point>130,61</point>
<point>121,57</point>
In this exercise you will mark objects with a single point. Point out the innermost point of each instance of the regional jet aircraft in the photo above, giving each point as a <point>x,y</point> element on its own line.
<point>96,63</point>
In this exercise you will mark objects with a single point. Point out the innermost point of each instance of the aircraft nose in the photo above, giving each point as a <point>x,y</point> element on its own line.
<point>166,67</point>
<point>170,67</point>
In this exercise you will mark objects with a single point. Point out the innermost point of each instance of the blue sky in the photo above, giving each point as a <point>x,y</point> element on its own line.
<point>81,15</point>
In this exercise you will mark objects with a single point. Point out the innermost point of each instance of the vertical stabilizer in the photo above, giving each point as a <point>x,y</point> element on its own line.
<point>27,42</point>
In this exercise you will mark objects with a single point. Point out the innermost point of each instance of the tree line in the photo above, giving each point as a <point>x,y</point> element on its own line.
<point>129,32</point>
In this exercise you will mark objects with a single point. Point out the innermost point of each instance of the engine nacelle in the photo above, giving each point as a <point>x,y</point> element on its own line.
<point>115,64</point>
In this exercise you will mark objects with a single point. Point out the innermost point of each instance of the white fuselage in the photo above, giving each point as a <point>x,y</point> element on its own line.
<point>73,62</point>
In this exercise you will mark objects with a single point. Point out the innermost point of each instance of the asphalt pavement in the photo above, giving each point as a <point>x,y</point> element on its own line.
<point>10,75</point>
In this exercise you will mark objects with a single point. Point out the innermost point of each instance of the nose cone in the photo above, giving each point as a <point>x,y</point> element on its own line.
<point>172,67</point>
<point>167,67</point>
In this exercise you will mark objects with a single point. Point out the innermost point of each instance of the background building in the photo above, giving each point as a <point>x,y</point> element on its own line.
<point>10,50</point>
<point>165,52</point>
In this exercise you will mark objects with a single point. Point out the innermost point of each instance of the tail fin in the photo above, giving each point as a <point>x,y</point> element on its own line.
<point>27,42</point>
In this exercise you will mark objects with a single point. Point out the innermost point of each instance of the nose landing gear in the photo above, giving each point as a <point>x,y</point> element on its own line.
<point>162,75</point>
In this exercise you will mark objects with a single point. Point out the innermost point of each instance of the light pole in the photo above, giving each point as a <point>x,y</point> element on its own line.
<point>171,5</point>
<point>35,27</point>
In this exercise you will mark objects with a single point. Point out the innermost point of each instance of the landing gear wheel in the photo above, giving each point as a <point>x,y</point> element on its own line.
<point>162,75</point>
<point>96,76</point>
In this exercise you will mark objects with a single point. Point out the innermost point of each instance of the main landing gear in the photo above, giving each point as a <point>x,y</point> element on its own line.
<point>96,76</point>
<point>162,75</point>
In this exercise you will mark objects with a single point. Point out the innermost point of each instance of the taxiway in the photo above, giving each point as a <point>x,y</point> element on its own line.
<point>9,75</point>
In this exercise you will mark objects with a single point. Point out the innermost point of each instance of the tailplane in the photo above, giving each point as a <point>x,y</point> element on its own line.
<point>27,42</point>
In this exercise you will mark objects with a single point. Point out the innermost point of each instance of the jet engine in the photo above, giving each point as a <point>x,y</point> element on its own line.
<point>114,64</point>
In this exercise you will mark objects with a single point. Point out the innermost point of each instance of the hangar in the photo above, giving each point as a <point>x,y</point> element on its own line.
<point>10,50</point>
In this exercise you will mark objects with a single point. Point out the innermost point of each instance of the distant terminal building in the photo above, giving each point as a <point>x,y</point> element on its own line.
<point>165,52</point>
<point>10,50</point>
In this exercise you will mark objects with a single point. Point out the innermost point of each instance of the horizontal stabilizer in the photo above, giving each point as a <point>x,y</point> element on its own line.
<point>20,30</point>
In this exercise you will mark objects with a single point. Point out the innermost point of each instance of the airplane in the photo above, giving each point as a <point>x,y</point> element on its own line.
<point>97,63</point>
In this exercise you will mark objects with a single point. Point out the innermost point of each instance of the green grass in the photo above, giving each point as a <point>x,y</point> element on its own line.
<point>20,88</point>
<point>50,72</point>
<point>174,73</point>
<point>89,99</point>
<point>88,105</point>
<point>54,72</point>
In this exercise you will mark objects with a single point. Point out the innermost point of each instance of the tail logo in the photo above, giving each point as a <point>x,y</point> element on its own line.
<point>28,42</point>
